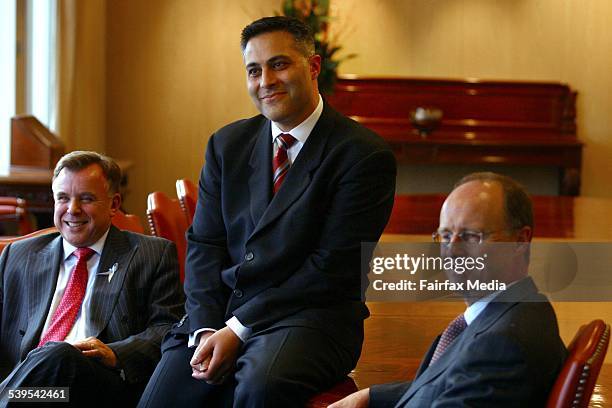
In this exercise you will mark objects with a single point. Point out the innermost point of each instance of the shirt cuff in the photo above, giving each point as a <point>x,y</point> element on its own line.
<point>238,328</point>
<point>194,338</point>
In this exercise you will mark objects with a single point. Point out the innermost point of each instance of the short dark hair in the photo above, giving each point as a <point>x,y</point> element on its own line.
<point>302,34</point>
<point>517,204</point>
<point>79,159</point>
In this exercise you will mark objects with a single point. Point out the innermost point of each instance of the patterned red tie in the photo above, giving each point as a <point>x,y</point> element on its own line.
<point>454,329</point>
<point>66,313</point>
<point>280,163</point>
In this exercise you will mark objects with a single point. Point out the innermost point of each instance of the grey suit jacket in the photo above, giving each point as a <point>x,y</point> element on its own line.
<point>131,313</point>
<point>509,356</point>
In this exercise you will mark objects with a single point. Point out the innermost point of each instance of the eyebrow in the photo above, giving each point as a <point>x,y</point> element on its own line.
<point>272,60</point>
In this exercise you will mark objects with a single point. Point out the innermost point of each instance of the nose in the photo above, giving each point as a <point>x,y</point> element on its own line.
<point>455,238</point>
<point>268,78</point>
<point>74,206</point>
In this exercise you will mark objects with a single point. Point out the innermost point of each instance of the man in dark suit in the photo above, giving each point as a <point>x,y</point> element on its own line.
<point>273,280</point>
<point>86,308</point>
<point>505,349</point>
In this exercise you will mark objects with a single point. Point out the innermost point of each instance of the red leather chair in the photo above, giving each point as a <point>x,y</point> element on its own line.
<point>187,193</point>
<point>15,209</point>
<point>336,393</point>
<point>5,241</point>
<point>128,222</point>
<point>167,220</point>
<point>586,353</point>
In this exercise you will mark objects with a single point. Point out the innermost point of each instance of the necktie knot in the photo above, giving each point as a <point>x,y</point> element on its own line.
<point>83,254</point>
<point>454,329</point>
<point>285,141</point>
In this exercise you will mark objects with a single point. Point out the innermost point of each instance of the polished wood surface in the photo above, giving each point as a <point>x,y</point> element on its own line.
<point>398,335</point>
<point>33,144</point>
<point>484,122</point>
<point>563,217</point>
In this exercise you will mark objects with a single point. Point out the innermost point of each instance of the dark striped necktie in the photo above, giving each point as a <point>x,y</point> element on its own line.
<point>280,163</point>
<point>454,329</point>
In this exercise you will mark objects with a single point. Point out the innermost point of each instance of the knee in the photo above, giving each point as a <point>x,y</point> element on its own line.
<point>259,388</point>
<point>57,354</point>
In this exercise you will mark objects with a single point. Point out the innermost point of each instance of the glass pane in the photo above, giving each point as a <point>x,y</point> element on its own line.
<point>7,78</point>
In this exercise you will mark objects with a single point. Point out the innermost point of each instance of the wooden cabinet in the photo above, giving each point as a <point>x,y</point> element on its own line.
<point>490,122</point>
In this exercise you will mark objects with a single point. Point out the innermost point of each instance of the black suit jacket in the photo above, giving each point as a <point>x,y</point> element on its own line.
<point>131,313</point>
<point>509,356</point>
<point>291,259</point>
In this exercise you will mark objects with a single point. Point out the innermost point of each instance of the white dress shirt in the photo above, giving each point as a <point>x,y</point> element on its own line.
<point>476,308</point>
<point>79,330</point>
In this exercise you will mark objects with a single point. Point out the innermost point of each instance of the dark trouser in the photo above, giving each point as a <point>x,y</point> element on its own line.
<point>58,364</point>
<point>281,367</point>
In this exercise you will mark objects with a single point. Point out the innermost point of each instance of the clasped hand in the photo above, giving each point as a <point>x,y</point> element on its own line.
<point>214,358</point>
<point>94,348</point>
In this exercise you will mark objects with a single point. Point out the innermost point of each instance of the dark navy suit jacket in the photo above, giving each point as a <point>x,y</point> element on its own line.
<point>509,356</point>
<point>292,259</point>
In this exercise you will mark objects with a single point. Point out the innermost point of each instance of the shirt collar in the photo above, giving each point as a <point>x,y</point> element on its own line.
<point>473,310</point>
<point>301,131</point>
<point>98,246</point>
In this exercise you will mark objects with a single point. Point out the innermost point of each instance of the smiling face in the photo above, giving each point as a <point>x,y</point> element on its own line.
<point>83,205</point>
<point>281,80</point>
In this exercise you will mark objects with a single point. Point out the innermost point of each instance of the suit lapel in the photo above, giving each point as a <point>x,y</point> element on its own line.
<point>299,175</point>
<point>260,179</point>
<point>114,263</point>
<point>41,269</point>
<point>503,302</point>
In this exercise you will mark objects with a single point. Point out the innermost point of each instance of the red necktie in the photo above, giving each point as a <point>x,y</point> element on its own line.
<point>454,329</point>
<point>66,313</point>
<point>280,163</point>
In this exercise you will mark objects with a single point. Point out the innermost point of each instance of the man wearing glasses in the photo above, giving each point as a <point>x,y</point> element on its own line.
<point>505,349</point>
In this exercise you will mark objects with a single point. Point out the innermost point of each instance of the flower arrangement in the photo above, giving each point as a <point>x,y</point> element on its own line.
<point>315,14</point>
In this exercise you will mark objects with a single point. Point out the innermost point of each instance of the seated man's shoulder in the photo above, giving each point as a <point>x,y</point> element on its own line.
<point>157,243</point>
<point>352,139</point>
<point>32,244</point>
<point>239,131</point>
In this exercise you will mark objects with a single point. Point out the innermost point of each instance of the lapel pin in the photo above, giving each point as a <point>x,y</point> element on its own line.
<point>112,270</point>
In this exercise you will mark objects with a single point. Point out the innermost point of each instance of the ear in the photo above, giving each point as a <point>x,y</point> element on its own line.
<point>115,204</point>
<point>525,234</point>
<point>523,239</point>
<point>315,66</point>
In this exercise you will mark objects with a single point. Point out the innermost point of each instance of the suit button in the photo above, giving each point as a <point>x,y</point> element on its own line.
<point>238,293</point>
<point>249,256</point>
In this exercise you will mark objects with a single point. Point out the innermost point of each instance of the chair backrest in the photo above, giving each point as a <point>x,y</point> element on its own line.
<point>577,378</point>
<point>167,220</point>
<point>129,222</point>
<point>187,193</point>
<point>15,210</point>
<point>5,241</point>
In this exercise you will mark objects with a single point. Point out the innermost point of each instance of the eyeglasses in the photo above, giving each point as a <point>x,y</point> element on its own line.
<point>467,236</point>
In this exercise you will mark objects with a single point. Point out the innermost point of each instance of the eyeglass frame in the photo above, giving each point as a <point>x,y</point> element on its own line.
<point>482,236</point>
